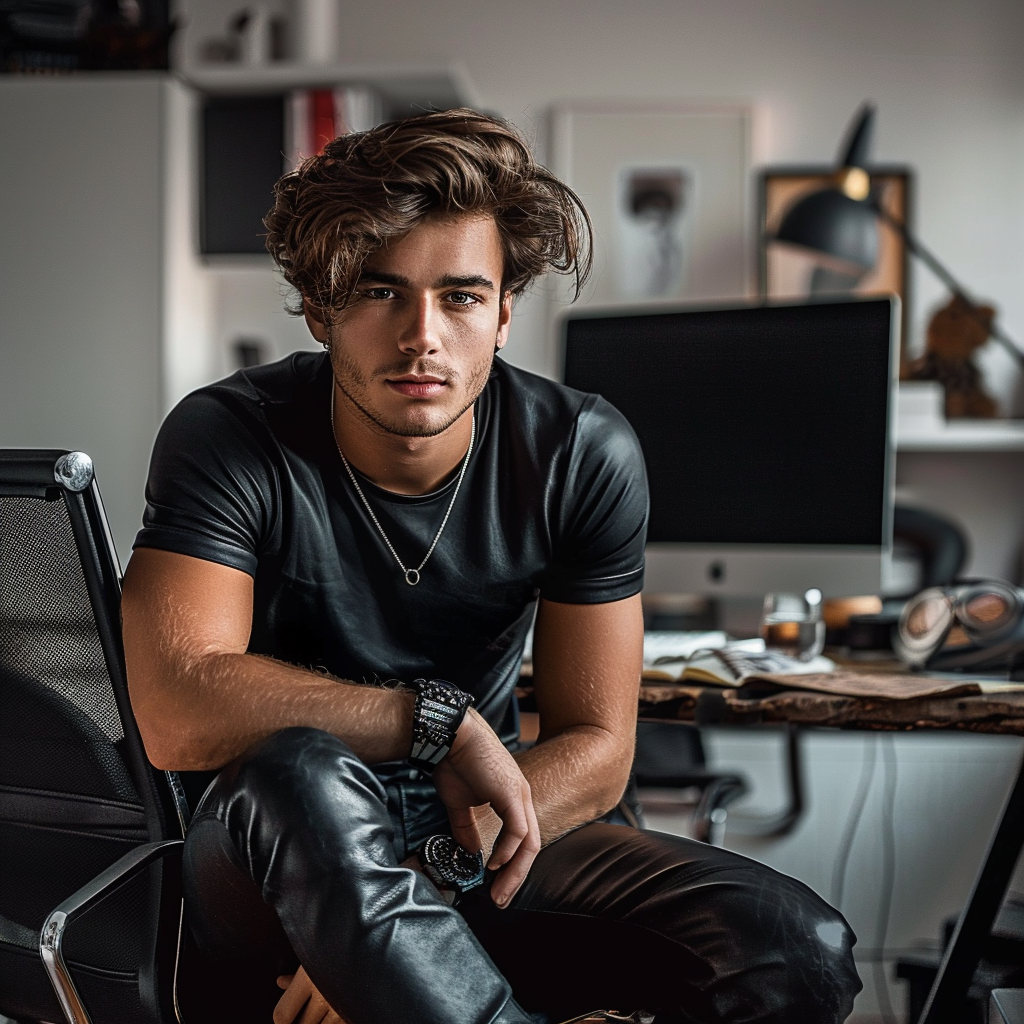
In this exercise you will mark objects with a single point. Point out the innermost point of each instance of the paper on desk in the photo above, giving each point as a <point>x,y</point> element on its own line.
<point>1000,686</point>
<point>878,685</point>
<point>768,672</point>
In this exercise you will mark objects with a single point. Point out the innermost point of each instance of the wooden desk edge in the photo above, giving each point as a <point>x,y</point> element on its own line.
<point>711,705</point>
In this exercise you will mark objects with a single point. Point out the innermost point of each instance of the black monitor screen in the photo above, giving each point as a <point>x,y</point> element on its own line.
<point>760,425</point>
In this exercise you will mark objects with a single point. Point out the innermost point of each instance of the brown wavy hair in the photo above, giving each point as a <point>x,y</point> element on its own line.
<point>368,187</point>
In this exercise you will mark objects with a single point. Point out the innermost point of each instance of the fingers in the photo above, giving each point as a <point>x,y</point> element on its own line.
<point>478,771</point>
<point>297,990</point>
<point>302,1002</point>
<point>465,830</point>
<point>514,813</point>
<point>513,854</point>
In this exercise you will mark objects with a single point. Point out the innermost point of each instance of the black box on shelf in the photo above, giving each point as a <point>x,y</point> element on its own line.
<point>243,154</point>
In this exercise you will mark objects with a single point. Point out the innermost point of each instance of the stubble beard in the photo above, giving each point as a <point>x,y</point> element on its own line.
<point>350,381</point>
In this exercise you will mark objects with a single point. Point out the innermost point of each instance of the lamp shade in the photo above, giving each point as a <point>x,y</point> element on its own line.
<point>830,222</point>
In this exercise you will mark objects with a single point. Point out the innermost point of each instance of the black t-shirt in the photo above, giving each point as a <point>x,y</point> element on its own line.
<point>245,473</point>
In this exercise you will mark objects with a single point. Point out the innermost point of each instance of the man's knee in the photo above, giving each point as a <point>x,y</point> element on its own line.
<point>777,951</point>
<point>296,799</point>
<point>746,942</point>
<point>798,951</point>
<point>291,770</point>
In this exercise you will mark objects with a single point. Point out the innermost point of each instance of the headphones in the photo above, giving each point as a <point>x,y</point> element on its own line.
<point>975,624</point>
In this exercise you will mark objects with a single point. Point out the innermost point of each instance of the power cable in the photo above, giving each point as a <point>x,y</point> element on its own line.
<point>890,776</point>
<point>867,775</point>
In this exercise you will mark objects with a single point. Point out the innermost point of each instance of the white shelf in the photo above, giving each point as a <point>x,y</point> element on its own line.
<point>962,436</point>
<point>400,85</point>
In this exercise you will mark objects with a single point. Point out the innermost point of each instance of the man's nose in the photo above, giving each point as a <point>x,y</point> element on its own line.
<point>421,333</point>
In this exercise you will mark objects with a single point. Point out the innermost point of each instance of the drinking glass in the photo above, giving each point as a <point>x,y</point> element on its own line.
<point>792,624</point>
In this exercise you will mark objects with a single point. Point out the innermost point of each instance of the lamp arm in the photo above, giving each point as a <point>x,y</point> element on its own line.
<point>914,246</point>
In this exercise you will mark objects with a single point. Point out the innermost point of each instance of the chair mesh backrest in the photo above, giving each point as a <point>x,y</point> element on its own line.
<point>47,628</point>
<point>68,805</point>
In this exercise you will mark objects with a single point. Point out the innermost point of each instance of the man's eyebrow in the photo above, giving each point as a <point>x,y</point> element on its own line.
<point>384,278</point>
<point>465,281</point>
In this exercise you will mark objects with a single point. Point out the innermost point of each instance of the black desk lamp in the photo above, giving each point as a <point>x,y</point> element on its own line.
<point>842,223</point>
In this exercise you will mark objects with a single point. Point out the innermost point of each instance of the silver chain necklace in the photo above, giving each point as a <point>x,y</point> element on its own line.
<point>412,576</point>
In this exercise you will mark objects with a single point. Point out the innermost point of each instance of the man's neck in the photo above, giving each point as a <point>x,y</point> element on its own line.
<point>405,465</point>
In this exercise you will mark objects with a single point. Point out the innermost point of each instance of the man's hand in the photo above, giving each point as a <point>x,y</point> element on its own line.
<point>302,1002</point>
<point>477,771</point>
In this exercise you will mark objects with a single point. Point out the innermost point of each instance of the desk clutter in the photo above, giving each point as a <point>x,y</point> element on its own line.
<point>754,671</point>
<point>731,664</point>
<point>678,664</point>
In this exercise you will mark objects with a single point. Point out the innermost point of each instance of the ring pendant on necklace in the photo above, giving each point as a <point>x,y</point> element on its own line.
<point>412,576</point>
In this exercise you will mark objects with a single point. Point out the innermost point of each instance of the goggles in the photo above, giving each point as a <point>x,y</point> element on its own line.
<point>974,624</point>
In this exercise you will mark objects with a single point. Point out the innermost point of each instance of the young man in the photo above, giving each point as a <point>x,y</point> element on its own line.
<point>341,558</point>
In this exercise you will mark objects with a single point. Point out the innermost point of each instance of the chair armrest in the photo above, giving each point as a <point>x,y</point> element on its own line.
<point>52,934</point>
<point>1006,1006</point>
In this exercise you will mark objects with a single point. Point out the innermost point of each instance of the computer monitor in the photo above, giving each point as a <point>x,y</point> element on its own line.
<point>765,429</point>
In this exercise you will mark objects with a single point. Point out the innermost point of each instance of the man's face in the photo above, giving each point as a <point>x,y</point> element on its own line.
<point>414,349</point>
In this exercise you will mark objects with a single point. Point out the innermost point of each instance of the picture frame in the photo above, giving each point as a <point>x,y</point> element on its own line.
<point>667,187</point>
<point>785,272</point>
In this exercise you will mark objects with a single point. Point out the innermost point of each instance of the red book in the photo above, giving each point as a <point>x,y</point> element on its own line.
<point>322,122</point>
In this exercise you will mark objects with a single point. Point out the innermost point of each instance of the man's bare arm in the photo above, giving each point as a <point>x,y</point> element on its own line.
<point>587,661</point>
<point>200,700</point>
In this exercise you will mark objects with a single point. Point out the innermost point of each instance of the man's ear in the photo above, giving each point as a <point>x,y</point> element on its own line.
<point>314,317</point>
<point>504,321</point>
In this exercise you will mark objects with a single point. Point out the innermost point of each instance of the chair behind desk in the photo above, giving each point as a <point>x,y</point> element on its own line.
<point>937,542</point>
<point>78,798</point>
<point>671,756</point>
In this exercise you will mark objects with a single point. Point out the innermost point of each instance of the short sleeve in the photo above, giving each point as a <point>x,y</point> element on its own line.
<point>604,506</point>
<point>210,492</point>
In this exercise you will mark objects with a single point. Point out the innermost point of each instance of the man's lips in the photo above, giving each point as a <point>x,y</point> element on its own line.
<point>416,387</point>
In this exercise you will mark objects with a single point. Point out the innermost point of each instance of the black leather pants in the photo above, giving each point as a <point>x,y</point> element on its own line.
<point>293,856</point>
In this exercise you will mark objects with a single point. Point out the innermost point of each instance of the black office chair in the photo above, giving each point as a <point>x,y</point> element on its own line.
<point>89,906</point>
<point>670,756</point>
<point>939,545</point>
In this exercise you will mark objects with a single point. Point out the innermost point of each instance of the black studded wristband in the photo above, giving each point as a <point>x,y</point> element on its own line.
<point>437,714</point>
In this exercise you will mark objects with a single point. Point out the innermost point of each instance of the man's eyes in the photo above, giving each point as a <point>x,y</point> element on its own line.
<point>384,292</point>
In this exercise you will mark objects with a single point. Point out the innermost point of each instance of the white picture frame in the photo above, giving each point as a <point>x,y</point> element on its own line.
<point>669,191</point>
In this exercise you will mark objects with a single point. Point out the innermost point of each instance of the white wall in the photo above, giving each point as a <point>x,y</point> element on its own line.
<point>103,305</point>
<point>81,288</point>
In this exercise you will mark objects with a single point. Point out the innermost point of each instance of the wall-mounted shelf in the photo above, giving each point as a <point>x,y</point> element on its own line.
<point>404,88</point>
<point>921,425</point>
<point>248,123</point>
<point>962,436</point>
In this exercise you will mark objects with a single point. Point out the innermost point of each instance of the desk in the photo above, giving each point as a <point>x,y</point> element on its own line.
<point>1003,714</point>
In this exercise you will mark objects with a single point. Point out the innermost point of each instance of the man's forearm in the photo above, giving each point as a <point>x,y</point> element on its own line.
<point>209,711</point>
<point>574,778</point>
